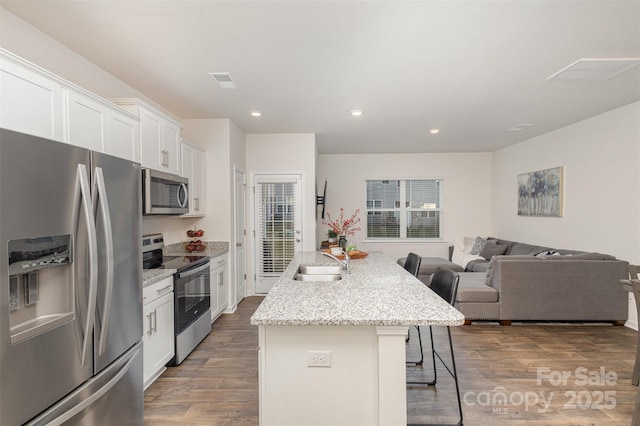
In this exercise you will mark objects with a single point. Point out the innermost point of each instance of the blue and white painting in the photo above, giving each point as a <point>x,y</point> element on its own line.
<point>540,193</point>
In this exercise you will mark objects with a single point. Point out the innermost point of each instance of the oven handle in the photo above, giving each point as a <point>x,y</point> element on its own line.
<point>193,271</point>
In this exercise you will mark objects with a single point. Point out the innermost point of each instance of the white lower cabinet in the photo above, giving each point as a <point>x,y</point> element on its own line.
<point>219,284</point>
<point>158,340</point>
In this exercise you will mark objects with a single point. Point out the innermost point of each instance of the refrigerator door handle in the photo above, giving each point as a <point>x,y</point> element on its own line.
<point>83,201</point>
<point>100,198</point>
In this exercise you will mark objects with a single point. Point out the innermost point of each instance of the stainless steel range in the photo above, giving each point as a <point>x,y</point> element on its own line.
<point>191,289</point>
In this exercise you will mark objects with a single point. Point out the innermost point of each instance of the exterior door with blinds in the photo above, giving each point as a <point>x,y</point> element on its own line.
<point>278,206</point>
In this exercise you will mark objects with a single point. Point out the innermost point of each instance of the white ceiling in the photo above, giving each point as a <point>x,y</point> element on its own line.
<point>471,68</point>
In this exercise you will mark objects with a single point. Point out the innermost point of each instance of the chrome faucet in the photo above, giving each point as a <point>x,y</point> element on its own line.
<point>346,262</point>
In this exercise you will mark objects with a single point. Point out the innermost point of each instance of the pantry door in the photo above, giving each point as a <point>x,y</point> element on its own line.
<point>278,226</point>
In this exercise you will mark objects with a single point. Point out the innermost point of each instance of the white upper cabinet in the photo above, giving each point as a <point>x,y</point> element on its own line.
<point>87,122</point>
<point>101,126</point>
<point>39,103</point>
<point>31,101</point>
<point>123,136</point>
<point>159,136</point>
<point>193,168</point>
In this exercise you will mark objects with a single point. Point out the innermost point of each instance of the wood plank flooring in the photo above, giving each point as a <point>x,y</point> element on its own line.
<point>506,376</point>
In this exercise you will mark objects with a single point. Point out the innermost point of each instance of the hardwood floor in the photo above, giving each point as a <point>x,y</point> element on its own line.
<point>218,383</point>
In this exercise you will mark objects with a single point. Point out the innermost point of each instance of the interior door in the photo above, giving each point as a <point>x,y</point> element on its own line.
<point>278,231</point>
<point>240,237</point>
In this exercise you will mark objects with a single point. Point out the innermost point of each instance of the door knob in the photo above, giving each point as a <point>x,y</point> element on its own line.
<point>238,244</point>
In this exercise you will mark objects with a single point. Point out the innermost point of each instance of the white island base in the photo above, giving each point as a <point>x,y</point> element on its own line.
<point>357,325</point>
<point>364,385</point>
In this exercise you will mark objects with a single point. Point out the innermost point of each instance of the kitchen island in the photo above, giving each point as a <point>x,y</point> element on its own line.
<point>333,352</point>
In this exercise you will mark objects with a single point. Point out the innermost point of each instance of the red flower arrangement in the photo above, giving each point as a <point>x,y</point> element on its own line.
<point>342,226</point>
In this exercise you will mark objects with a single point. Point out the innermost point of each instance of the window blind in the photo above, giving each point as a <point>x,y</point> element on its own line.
<point>276,240</point>
<point>405,209</point>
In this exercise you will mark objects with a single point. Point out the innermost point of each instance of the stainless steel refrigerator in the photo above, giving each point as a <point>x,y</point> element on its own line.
<point>70,285</point>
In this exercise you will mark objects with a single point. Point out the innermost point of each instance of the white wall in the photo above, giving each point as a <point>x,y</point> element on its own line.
<point>26,41</point>
<point>601,160</point>
<point>467,193</point>
<point>283,153</point>
<point>213,137</point>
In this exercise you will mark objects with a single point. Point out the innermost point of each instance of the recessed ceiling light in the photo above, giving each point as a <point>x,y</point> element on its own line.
<point>356,112</point>
<point>434,131</point>
<point>256,114</point>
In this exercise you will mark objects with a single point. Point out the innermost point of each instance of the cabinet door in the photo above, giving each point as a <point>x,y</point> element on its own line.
<point>199,182</point>
<point>193,169</point>
<point>223,285</point>
<point>171,147</point>
<point>30,102</point>
<point>151,151</point>
<point>159,338</point>
<point>123,136</point>
<point>87,122</point>
<point>218,285</point>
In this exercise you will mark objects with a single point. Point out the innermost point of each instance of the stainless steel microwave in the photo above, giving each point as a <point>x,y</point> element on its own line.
<point>164,193</point>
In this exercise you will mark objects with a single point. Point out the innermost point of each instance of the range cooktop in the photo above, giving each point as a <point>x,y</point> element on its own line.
<point>182,262</point>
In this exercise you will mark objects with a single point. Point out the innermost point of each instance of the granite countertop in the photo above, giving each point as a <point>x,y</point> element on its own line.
<point>378,292</point>
<point>152,276</point>
<point>214,249</point>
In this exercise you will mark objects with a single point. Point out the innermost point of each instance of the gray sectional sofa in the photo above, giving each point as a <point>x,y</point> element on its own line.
<point>534,283</point>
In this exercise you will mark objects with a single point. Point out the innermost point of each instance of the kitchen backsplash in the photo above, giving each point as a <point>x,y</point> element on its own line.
<point>173,228</point>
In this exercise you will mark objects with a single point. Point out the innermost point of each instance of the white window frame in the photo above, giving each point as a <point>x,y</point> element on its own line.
<point>403,211</point>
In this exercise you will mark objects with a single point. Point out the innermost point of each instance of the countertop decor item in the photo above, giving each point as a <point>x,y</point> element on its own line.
<point>195,245</point>
<point>344,227</point>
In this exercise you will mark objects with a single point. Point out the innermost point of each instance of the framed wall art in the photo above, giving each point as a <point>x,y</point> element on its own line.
<point>540,193</point>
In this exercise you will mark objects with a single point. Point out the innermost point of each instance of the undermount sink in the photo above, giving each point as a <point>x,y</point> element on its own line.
<point>317,277</point>
<point>318,273</point>
<point>320,269</point>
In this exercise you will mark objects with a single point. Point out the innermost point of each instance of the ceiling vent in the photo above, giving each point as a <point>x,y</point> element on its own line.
<point>595,69</point>
<point>224,80</point>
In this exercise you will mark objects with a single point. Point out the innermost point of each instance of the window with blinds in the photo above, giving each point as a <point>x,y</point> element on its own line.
<point>276,240</point>
<point>405,209</point>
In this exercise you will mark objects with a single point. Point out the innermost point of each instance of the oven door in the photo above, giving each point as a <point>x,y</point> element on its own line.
<point>192,295</point>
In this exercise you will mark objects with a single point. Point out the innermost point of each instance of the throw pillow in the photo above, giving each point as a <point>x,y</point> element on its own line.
<point>547,253</point>
<point>468,244</point>
<point>490,250</point>
<point>479,244</point>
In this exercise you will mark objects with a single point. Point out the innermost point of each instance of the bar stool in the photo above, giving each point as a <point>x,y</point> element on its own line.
<point>412,265</point>
<point>444,283</point>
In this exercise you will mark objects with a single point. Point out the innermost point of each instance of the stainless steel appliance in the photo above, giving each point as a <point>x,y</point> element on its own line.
<point>164,193</point>
<point>70,285</point>
<point>191,291</point>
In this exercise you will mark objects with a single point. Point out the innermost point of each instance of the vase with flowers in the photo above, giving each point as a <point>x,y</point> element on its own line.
<point>343,227</point>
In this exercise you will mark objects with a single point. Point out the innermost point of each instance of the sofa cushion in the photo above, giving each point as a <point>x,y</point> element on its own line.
<point>581,256</point>
<point>519,249</point>
<point>473,289</point>
<point>490,250</point>
<point>479,265</point>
